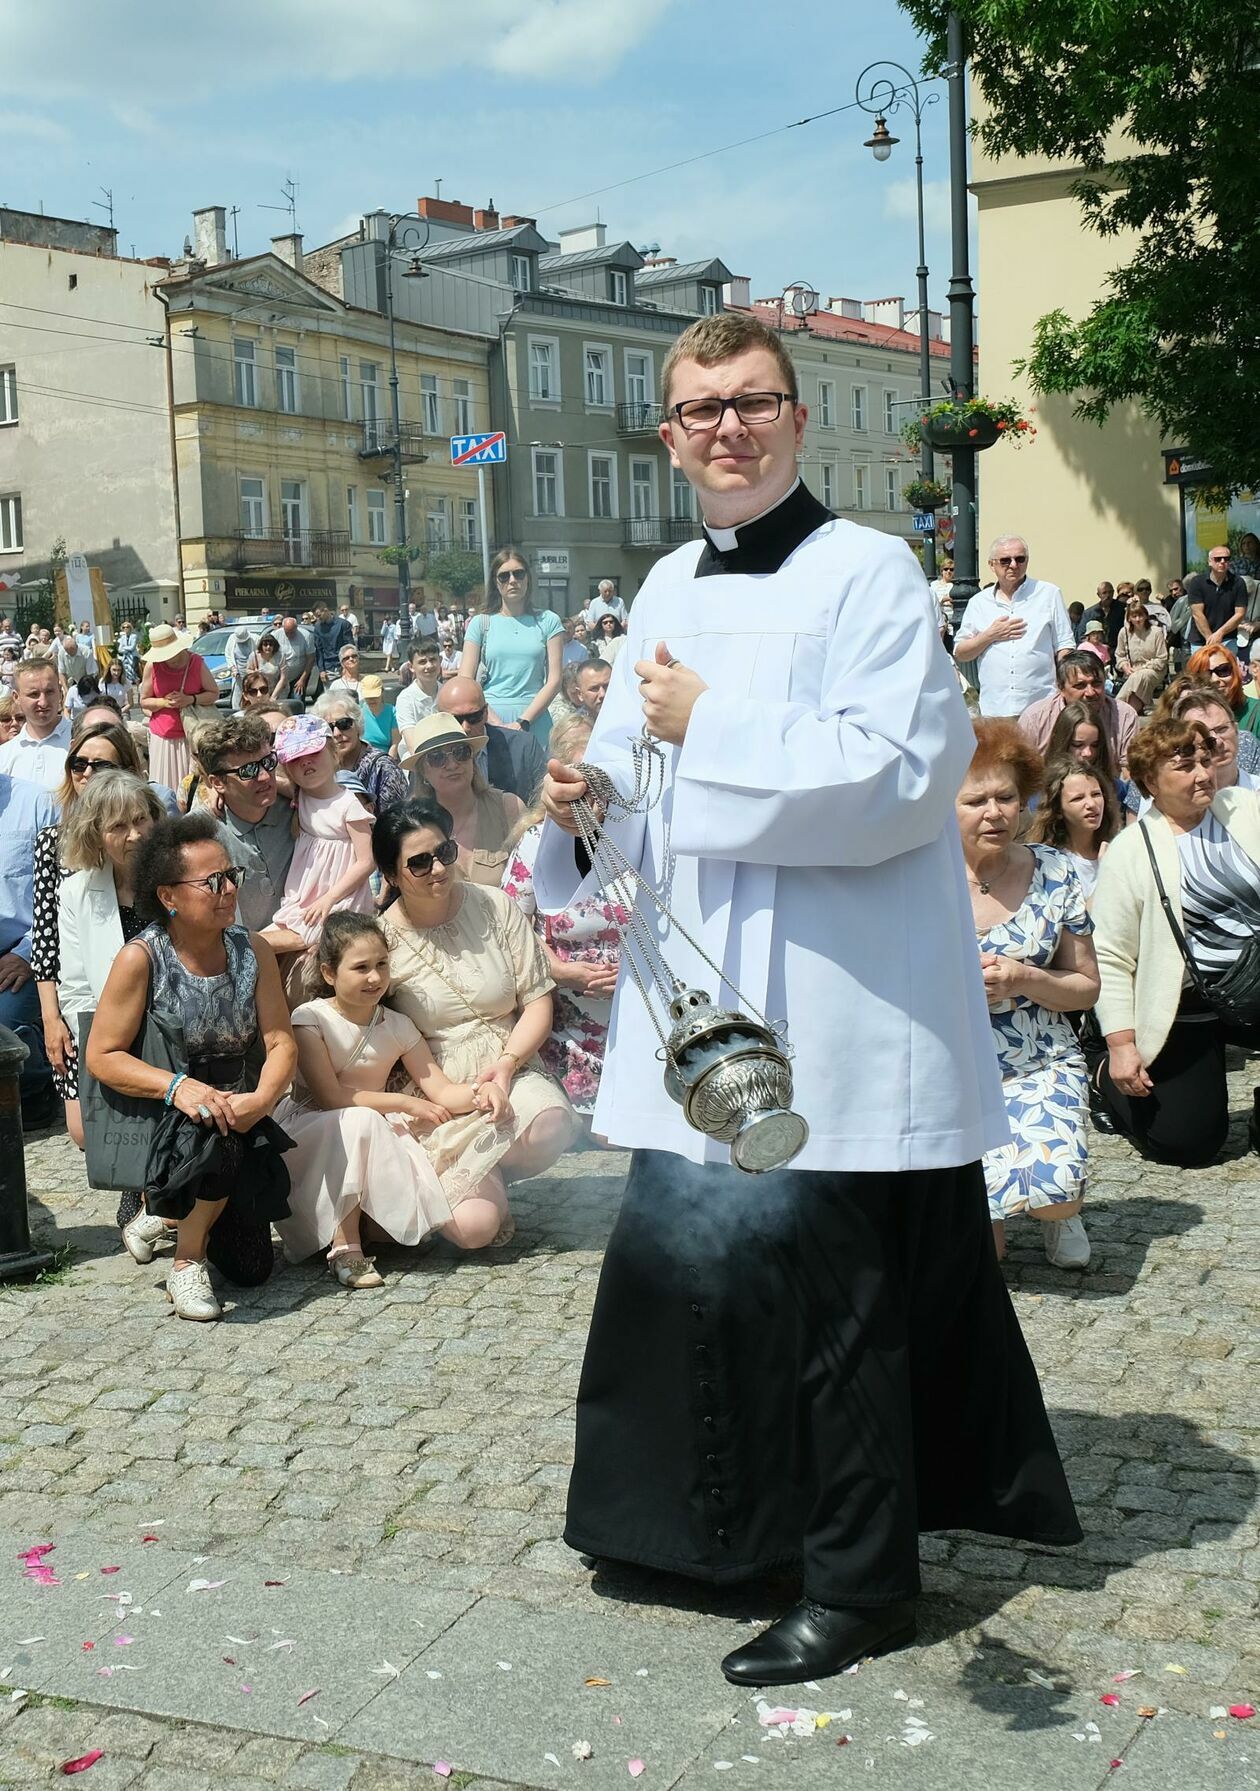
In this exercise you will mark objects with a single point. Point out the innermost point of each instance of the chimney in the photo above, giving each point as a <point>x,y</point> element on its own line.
<point>890,311</point>
<point>736,294</point>
<point>487,219</point>
<point>510,223</point>
<point>661,261</point>
<point>289,249</point>
<point>446,211</point>
<point>581,237</point>
<point>210,235</point>
<point>845,307</point>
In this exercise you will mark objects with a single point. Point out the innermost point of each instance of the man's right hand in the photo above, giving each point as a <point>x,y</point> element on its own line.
<point>15,972</point>
<point>562,787</point>
<point>1008,628</point>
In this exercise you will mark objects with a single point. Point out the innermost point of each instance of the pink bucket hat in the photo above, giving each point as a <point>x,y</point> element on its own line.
<point>300,736</point>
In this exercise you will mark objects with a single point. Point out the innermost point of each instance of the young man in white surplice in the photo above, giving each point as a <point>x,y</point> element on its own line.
<point>789,1368</point>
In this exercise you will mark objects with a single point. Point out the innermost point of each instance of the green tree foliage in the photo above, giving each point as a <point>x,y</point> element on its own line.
<point>1175,325</point>
<point>457,571</point>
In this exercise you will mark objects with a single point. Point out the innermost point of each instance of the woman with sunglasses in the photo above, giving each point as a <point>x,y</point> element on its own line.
<point>1161,1079</point>
<point>1218,667</point>
<point>469,974</point>
<point>377,771</point>
<point>220,985</point>
<point>444,760</point>
<point>514,651</point>
<point>348,683</point>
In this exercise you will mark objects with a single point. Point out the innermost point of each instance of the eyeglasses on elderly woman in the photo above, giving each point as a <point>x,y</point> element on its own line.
<point>441,756</point>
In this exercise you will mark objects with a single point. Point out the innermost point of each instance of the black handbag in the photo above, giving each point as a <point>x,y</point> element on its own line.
<point>1234,996</point>
<point>118,1129</point>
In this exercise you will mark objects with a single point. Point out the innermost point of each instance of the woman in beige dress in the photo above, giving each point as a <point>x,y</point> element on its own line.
<point>1141,658</point>
<point>469,974</point>
<point>444,760</point>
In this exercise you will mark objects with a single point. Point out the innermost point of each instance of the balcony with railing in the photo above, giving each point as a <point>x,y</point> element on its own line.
<point>326,550</point>
<point>658,532</point>
<point>378,440</point>
<point>638,418</point>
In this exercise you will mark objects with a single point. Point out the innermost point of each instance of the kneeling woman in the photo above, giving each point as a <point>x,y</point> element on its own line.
<point>1038,964</point>
<point>471,977</point>
<point>357,1147</point>
<point>219,984</point>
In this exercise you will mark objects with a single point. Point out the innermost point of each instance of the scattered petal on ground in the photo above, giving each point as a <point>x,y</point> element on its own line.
<point>582,1750</point>
<point>442,1768</point>
<point>636,1768</point>
<point>1217,1712</point>
<point>123,1641</point>
<point>205,1585</point>
<point>554,1758</point>
<point>387,1670</point>
<point>1109,1698</point>
<point>1123,1677</point>
<point>1243,1712</point>
<point>723,1765</point>
<point>1174,1669</point>
<point>83,1761</point>
<point>591,1681</point>
<point>307,1696</point>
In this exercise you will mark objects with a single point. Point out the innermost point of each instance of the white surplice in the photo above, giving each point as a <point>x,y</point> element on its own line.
<point>807,839</point>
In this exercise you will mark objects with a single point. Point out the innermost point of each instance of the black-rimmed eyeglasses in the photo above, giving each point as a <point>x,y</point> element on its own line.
<point>750,407</point>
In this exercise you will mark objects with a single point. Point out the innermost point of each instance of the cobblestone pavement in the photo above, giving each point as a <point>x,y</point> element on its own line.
<point>360,1496</point>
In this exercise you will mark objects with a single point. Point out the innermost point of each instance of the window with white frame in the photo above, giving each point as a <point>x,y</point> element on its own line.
<point>643,503</point>
<point>245,372</point>
<point>861,488</point>
<point>548,482</point>
<point>710,300</point>
<point>892,487</point>
<point>8,394</point>
<point>827,484</point>
<point>468,535</point>
<point>370,390</point>
<point>618,286</point>
<point>598,363</point>
<point>347,396</point>
<point>463,406</point>
<point>544,373</point>
<point>826,404</point>
<point>639,380</point>
<point>890,413</point>
<point>522,272</point>
<point>10,523</point>
<point>430,407</point>
<point>603,475</point>
<point>293,510</point>
<point>352,511</point>
<point>377,525</point>
<point>859,407</point>
<point>437,526</point>
<point>286,379</point>
<point>253,496</point>
<point>682,499</point>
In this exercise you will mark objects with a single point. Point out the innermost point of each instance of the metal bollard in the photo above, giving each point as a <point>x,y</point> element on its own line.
<point>16,1255</point>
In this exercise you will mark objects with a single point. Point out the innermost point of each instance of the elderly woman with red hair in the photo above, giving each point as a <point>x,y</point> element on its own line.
<point>1037,959</point>
<point>1219,669</point>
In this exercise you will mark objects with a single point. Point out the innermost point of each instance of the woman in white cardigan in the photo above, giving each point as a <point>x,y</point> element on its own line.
<point>1162,1082</point>
<point>95,918</point>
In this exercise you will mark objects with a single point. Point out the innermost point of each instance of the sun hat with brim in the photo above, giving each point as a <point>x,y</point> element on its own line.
<point>165,642</point>
<point>1094,628</point>
<point>370,685</point>
<point>434,731</point>
<point>300,736</point>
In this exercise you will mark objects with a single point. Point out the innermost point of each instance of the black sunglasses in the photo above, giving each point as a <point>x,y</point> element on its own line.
<point>447,755</point>
<point>421,863</point>
<point>216,882</point>
<point>78,763</point>
<point>252,768</point>
<point>1217,671</point>
<point>343,723</point>
<point>507,578</point>
<point>470,717</point>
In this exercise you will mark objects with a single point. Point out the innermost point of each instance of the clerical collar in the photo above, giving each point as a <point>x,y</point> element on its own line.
<point>764,542</point>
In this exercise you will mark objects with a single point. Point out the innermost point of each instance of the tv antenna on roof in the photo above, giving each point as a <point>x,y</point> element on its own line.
<point>106,204</point>
<point>290,192</point>
<point>799,299</point>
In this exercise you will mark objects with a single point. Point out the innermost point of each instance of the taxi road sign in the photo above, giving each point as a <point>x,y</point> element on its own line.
<point>479,450</point>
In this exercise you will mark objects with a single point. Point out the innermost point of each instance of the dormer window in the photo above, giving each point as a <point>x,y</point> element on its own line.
<point>710,301</point>
<point>618,287</point>
<point>522,273</point>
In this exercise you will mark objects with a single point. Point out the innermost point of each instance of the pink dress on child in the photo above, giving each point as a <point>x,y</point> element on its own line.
<point>323,854</point>
<point>353,1156</point>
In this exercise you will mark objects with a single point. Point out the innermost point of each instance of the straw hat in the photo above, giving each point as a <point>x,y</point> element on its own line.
<point>165,642</point>
<point>433,731</point>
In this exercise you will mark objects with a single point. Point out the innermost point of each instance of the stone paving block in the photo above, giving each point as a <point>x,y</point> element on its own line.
<point>1184,1752</point>
<point>319,1770</point>
<point>42,1626</point>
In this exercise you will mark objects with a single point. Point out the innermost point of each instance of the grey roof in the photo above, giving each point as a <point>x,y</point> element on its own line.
<point>612,254</point>
<point>520,236</point>
<point>684,270</point>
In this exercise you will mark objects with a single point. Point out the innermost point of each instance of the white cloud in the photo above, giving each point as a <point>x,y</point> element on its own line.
<point>36,125</point>
<point>146,48</point>
<point>900,201</point>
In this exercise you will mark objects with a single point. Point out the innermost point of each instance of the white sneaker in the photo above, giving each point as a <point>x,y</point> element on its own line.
<point>1067,1243</point>
<point>189,1291</point>
<point>142,1234</point>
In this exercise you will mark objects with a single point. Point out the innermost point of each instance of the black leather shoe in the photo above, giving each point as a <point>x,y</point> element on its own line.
<point>816,1640</point>
<point>1253,1124</point>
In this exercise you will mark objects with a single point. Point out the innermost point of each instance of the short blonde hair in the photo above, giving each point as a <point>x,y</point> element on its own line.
<point>720,338</point>
<point>110,798</point>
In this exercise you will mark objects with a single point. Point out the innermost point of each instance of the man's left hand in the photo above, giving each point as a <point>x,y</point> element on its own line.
<point>670,691</point>
<point>15,972</point>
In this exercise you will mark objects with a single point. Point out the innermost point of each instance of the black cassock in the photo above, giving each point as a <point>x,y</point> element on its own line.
<point>805,1368</point>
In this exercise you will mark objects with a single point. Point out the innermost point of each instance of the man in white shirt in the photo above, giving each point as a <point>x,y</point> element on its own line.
<point>605,603</point>
<point>420,696</point>
<point>771,1375</point>
<point>72,663</point>
<point>424,622</point>
<point>38,751</point>
<point>1016,629</point>
<point>297,654</point>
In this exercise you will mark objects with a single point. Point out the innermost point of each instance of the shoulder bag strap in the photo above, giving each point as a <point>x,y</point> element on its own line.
<point>1169,916</point>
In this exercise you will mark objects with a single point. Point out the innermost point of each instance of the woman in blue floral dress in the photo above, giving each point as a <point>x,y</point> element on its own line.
<point>1037,960</point>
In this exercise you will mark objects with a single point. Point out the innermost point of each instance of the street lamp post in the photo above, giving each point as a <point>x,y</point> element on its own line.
<point>414,270</point>
<point>961,318</point>
<point>881,97</point>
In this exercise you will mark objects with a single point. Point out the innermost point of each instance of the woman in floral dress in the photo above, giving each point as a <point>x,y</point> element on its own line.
<point>1037,960</point>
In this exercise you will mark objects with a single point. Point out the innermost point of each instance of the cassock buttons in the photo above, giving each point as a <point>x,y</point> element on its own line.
<point>697,1311</point>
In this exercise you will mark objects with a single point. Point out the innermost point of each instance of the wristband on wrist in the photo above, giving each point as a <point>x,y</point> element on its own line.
<point>172,1085</point>
<point>512,1058</point>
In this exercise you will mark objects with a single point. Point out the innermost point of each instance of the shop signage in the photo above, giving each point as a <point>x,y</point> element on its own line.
<point>280,593</point>
<point>1181,468</point>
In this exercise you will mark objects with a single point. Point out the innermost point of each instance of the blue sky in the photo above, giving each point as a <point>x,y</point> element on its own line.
<point>533,103</point>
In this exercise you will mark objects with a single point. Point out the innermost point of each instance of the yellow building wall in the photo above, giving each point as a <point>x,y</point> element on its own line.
<point>1090,500</point>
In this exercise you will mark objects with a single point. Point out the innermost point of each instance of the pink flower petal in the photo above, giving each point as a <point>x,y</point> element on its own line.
<point>123,1641</point>
<point>83,1761</point>
<point>111,1569</point>
<point>1109,1698</point>
<point>442,1768</point>
<point>1242,1711</point>
<point>307,1696</point>
<point>247,1689</point>
<point>1124,1676</point>
<point>635,1768</point>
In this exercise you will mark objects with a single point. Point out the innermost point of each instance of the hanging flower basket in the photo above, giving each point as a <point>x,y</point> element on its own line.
<point>926,494</point>
<point>970,423</point>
